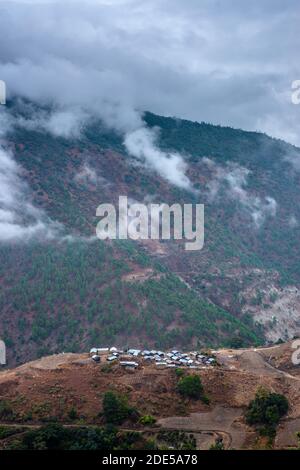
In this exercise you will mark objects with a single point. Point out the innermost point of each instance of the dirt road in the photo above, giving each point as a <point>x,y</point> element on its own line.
<point>219,420</point>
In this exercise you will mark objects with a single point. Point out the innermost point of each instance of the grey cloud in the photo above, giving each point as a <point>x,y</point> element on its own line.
<point>86,175</point>
<point>224,62</point>
<point>141,143</point>
<point>66,123</point>
<point>229,63</point>
<point>232,180</point>
<point>19,219</point>
<point>293,222</point>
<point>293,158</point>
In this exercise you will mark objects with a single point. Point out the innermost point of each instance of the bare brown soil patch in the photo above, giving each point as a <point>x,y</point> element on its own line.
<point>52,386</point>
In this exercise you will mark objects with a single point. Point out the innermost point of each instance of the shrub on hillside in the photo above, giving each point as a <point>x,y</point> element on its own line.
<point>6,411</point>
<point>55,436</point>
<point>179,372</point>
<point>267,408</point>
<point>190,386</point>
<point>116,408</point>
<point>147,420</point>
<point>72,414</point>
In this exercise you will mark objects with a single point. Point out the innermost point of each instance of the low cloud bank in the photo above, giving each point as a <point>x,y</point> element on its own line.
<point>140,141</point>
<point>169,57</point>
<point>166,56</point>
<point>19,219</point>
<point>232,180</point>
<point>142,144</point>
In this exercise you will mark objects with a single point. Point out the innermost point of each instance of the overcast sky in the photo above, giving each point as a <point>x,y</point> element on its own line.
<point>228,62</point>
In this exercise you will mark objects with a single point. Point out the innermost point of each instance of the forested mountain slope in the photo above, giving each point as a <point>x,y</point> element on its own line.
<point>71,291</point>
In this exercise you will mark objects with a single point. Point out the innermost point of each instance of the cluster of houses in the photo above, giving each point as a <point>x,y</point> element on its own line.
<point>132,358</point>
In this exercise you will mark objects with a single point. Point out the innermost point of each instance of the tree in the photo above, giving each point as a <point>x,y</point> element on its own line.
<point>72,414</point>
<point>218,445</point>
<point>6,411</point>
<point>51,436</point>
<point>267,408</point>
<point>147,420</point>
<point>190,386</point>
<point>236,342</point>
<point>115,408</point>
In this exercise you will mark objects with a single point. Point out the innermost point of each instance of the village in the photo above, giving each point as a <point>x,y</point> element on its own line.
<point>133,358</point>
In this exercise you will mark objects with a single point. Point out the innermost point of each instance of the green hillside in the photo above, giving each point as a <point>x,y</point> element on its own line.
<point>70,295</point>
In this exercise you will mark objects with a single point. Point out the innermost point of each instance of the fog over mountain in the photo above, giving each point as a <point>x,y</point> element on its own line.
<point>149,226</point>
<point>152,100</point>
<point>229,63</point>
